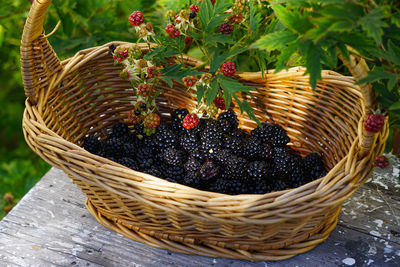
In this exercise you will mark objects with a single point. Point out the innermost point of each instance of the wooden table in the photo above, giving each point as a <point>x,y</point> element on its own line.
<point>51,227</point>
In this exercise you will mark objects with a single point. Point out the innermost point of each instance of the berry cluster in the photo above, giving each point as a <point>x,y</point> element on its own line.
<point>381,162</point>
<point>212,154</point>
<point>228,68</point>
<point>374,122</point>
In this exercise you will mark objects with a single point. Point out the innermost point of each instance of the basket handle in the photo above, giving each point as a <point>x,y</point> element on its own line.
<point>39,62</point>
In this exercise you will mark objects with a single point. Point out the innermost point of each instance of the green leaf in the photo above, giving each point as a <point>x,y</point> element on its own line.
<point>205,13</point>
<point>212,91</point>
<point>376,75</point>
<point>393,53</point>
<point>395,106</point>
<point>293,19</point>
<point>255,18</point>
<point>313,54</point>
<point>275,40</point>
<point>284,56</point>
<point>213,39</point>
<point>230,87</point>
<point>220,6</point>
<point>373,23</point>
<point>1,35</point>
<point>200,93</point>
<point>216,61</point>
<point>346,10</point>
<point>245,107</point>
<point>216,21</point>
<point>343,51</point>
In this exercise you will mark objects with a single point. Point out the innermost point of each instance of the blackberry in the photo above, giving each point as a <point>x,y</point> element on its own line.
<point>211,130</point>
<point>177,173</point>
<point>314,166</point>
<point>193,179</point>
<point>252,147</point>
<point>233,143</point>
<point>192,164</point>
<point>219,186</point>
<point>297,177</point>
<point>224,125</point>
<point>266,151</point>
<point>144,157</point>
<point>271,133</point>
<point>223,155</point>
<point>129,150</point>
<point>198,155</point>
<point>138,130</point>
<point>189,142</point>
<point>174,156</point>
<point>209,170</point>
<point>128,162</point>
<point>210,147</point>
<point>235,187</point>
<point>119,130</point>
<point>153,171</point>
<point>165,138</point>
<point>177,118</point>
<point>236,166</point>
<point>257,169</point>
<point>113,147</point>
<point>146,164</point>
<point>257,186</point>
<point>91,144</point>
<point>278,185</point>
<point>231,117</point>
<point>285,161</point>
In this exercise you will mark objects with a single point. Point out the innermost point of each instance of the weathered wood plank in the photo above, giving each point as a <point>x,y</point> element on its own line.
<point>51,226</point>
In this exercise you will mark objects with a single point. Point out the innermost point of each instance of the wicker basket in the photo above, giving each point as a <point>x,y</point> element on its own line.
<point>84,95</point>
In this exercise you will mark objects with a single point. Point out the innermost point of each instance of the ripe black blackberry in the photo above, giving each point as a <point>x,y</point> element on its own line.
<point>192,164</point>
<point>144,157</point>
<point>252,147</point>
<point>297,176</point>
<point>271,133</point>
<point>128,162</point>
<point>257,169</point>
<point>164,138</point>
<point>233,143</point>
<point>129,150</point>
<point>223,155</point>
<point>176,173</point>
<point>119,130</point>
<point>278,185</point>
<point>236,166</point>
<point>235,186</point>
<point>219,186</point>
<point>153,171</point>
<point>174,156</point>
<point>267,152</point>
<point>138,130</point>
<point>285,161</point>
<point>314,166</point>
<point>231,117</point>
<point>210,147</point>
<point>177,117</point>
<point>209,170</point>
<point>193,179</point>
<point>224,126</point>
<point>190,142</point>
<point>91,144</point>
<point>113,147</point>
<point>211,130</point>
<point>257,186</point>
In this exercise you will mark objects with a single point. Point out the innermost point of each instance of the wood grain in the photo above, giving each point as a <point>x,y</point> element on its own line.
<point>50,226</point>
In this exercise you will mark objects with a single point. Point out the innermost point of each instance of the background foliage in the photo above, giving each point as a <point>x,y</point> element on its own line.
<point>293,34</point>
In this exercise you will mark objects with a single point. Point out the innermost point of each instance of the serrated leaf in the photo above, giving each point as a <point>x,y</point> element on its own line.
<point>313,54</point>
<point>216,61</point>
<point>233,85</point>
<point>255,18</point>
<point>200,93</point>
<point>205,13</point>
<point>220,6</point>
<point>373,23</point>
<point>341,26</point>
<point>393,53</point>
<point>395,106</point>
<point>284,56</point>
<point>276,40</point>
<point>245,107</point>
<point>343,51</point>
<point>213,39</point>
<point>345,10</point>
<point>376,75</point>
<point>293,19</point>
<point>212,92</point>
<point>167,80</point>
<point>216,21</point>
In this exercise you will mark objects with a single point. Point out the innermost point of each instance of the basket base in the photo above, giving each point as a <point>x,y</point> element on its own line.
<point>311,241</point>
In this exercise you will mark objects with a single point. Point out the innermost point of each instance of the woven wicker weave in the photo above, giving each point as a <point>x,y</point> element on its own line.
<point>84,95</point>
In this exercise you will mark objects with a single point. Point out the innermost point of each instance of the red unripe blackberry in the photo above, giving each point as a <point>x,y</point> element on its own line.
<point>236,18</point>
<point>220,102</point>
<point>133,117</point>
<point>152,120</point>
<point>190,121</point>
<point>381,162</point>
<point>144,89</point>
<point>188,40</point>
<point>153,72</point>
<point>136,18</point>
<point>194,8</point>
<point>169,29</point>
<point>374,122</point>
<point>226,28</point>
<point>228,69</point>
<point>189,81</point>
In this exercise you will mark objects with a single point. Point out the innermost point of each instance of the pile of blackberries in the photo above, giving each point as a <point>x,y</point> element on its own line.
<point>216,155</point>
